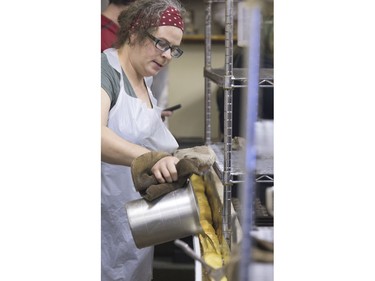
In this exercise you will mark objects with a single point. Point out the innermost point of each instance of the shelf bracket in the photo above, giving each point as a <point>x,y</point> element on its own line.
<point>228,82</point>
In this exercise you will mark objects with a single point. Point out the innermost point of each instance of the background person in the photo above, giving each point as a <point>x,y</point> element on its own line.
<point>109,24</point>
<point>149,37</point>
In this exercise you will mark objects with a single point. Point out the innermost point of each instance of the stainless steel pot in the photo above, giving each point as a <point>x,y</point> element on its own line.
<point>173,216</point>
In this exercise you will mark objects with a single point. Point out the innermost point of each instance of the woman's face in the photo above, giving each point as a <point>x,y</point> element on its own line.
<point>147,60</point>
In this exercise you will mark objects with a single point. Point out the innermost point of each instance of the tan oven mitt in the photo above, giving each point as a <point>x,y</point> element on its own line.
<point>141,169</point>
<point>147,185</point>
<point>203,155</point>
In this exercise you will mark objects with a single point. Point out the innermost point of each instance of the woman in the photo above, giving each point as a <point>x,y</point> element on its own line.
<point>149,37</point>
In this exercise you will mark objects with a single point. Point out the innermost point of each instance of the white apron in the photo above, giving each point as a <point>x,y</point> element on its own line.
<point>132,120</point>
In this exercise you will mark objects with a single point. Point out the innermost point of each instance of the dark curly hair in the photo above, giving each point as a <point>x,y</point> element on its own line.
<point>145,12</point>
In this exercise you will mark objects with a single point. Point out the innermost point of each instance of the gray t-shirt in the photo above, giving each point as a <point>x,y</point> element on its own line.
<point>111,81</point>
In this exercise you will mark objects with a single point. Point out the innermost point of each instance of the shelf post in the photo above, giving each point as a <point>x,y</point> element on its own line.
<point>253,58</point>
<point>228,119</point>
<point>207,65</point>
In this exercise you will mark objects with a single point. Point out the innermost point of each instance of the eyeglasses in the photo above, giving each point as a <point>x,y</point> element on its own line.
<point>163,46</point>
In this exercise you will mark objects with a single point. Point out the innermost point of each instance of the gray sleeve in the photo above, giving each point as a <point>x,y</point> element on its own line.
<point>110,80</point>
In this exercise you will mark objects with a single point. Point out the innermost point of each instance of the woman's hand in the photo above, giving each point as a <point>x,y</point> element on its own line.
<point>165,169</point>
<point>166,113</point>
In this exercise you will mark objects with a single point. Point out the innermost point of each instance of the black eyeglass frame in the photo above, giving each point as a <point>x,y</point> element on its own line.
<point>176,52</point>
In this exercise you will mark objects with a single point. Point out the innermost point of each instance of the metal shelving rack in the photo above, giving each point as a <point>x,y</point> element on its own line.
<point>230,164</point>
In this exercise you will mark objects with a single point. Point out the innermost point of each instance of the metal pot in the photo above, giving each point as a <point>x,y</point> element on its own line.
<point>173,216</point>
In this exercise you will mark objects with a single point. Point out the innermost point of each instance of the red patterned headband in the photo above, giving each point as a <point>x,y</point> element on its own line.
<point>170,17</point>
